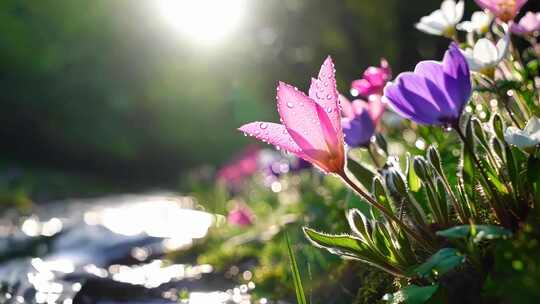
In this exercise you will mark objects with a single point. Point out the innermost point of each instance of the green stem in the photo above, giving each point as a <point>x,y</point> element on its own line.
<point>385,211</point>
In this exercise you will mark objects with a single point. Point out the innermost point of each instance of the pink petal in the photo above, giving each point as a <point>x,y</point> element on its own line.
<point>376,107</point>
<point>272,133</point>
<point>346,107</point>
<point>299,113</point>
<point>323,90</point>
<point>359,106</point>
<point>328,130</point>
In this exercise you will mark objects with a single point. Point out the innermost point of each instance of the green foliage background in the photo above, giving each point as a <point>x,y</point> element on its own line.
<point>109,88</point>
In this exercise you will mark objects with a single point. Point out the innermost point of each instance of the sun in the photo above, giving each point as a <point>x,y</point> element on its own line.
<point>203,20</point>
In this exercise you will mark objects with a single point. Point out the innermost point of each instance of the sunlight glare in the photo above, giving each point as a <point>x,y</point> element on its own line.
<point>203,20</point>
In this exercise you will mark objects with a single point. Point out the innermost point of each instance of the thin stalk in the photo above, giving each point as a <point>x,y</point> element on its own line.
<point>385,211</point>
<point>480,168</point>
<point>460,209</point>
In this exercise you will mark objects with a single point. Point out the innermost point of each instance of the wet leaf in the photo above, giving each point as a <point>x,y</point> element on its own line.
<point>477,232</point>
<point>412,294</point>
<point>441,262</point>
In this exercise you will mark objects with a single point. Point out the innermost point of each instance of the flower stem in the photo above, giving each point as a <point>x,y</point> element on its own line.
<point>385,211</point>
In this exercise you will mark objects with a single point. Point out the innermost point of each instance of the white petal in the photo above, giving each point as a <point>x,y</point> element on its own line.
<point>518,138</point>
<point>448,8</point>
<point>430,28</point>
<point>437,17</point>
<point>485,52</point>
<point>460,8</point>
<point>502,47</point>
<point>474,65</point>
<point>533,128</point>
<point>467,26</point>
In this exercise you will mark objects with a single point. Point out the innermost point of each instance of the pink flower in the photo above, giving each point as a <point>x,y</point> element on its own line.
<point>242,167</point>
<point>505,10</point>
<point>240,215</point>
<point>374,80</point>
<point>528,25</point>
<point>311,126</point>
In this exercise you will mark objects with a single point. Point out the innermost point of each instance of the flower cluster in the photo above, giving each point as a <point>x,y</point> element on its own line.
<point>484,90</point>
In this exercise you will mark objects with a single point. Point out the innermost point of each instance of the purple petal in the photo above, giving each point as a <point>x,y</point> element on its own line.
<point>457,77</point>
<point>411,97</point>
<point>358,131</point>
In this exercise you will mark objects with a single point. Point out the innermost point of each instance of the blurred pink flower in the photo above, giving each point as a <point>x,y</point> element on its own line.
<point>311,126</point>
<point>373,81</point>
<point>243,166</point>
<point>528,25</point>
<point>505,10</point>
<point>240,215</point>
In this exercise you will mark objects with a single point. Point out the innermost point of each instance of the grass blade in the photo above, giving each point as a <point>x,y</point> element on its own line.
<point>300,296</point>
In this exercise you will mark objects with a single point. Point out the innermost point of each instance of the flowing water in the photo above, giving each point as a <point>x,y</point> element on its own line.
<point>110,250</point>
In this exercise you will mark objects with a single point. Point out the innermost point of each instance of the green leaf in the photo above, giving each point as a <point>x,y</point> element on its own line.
<point>478,232</point>
<point>381,142</point>
<point>351,247</point>
<point>412,178</point>
<point>435,159</point>
<point>498,126</point>
<point>412,294</point>
<point>381,196</point>
<point>297,280</point>
<point>362,174</point>
<point>441,262</point>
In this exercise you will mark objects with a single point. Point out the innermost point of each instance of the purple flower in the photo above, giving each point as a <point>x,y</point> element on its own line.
<point>435,93</point>
<point>528,25</point>
<point>358,131</point>
<point>360,119</point>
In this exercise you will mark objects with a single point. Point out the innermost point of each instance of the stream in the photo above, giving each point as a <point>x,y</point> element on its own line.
<point>110,250</point>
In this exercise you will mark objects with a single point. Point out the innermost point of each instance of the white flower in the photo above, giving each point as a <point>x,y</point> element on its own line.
<point>485,55</point>
<point>480,22</point>
<point>442,22</point>
<point>527,138</point>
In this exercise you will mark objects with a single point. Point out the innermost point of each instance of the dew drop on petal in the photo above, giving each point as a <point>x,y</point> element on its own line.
<point>263,125</point>
<point>290,105</point>
<point>329,96</point>
<point>329,110</point>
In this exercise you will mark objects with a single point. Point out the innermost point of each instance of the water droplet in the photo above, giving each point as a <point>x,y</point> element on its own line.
<point>263,125</point>
<point>329,110</point>
<point>318,95</point>
<point>290,105</point>
<point>328,96</point>
<point>295,88</point>
<point>325,84</point>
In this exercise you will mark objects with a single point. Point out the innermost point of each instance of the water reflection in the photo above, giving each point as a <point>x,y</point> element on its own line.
<point>110,250</point>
